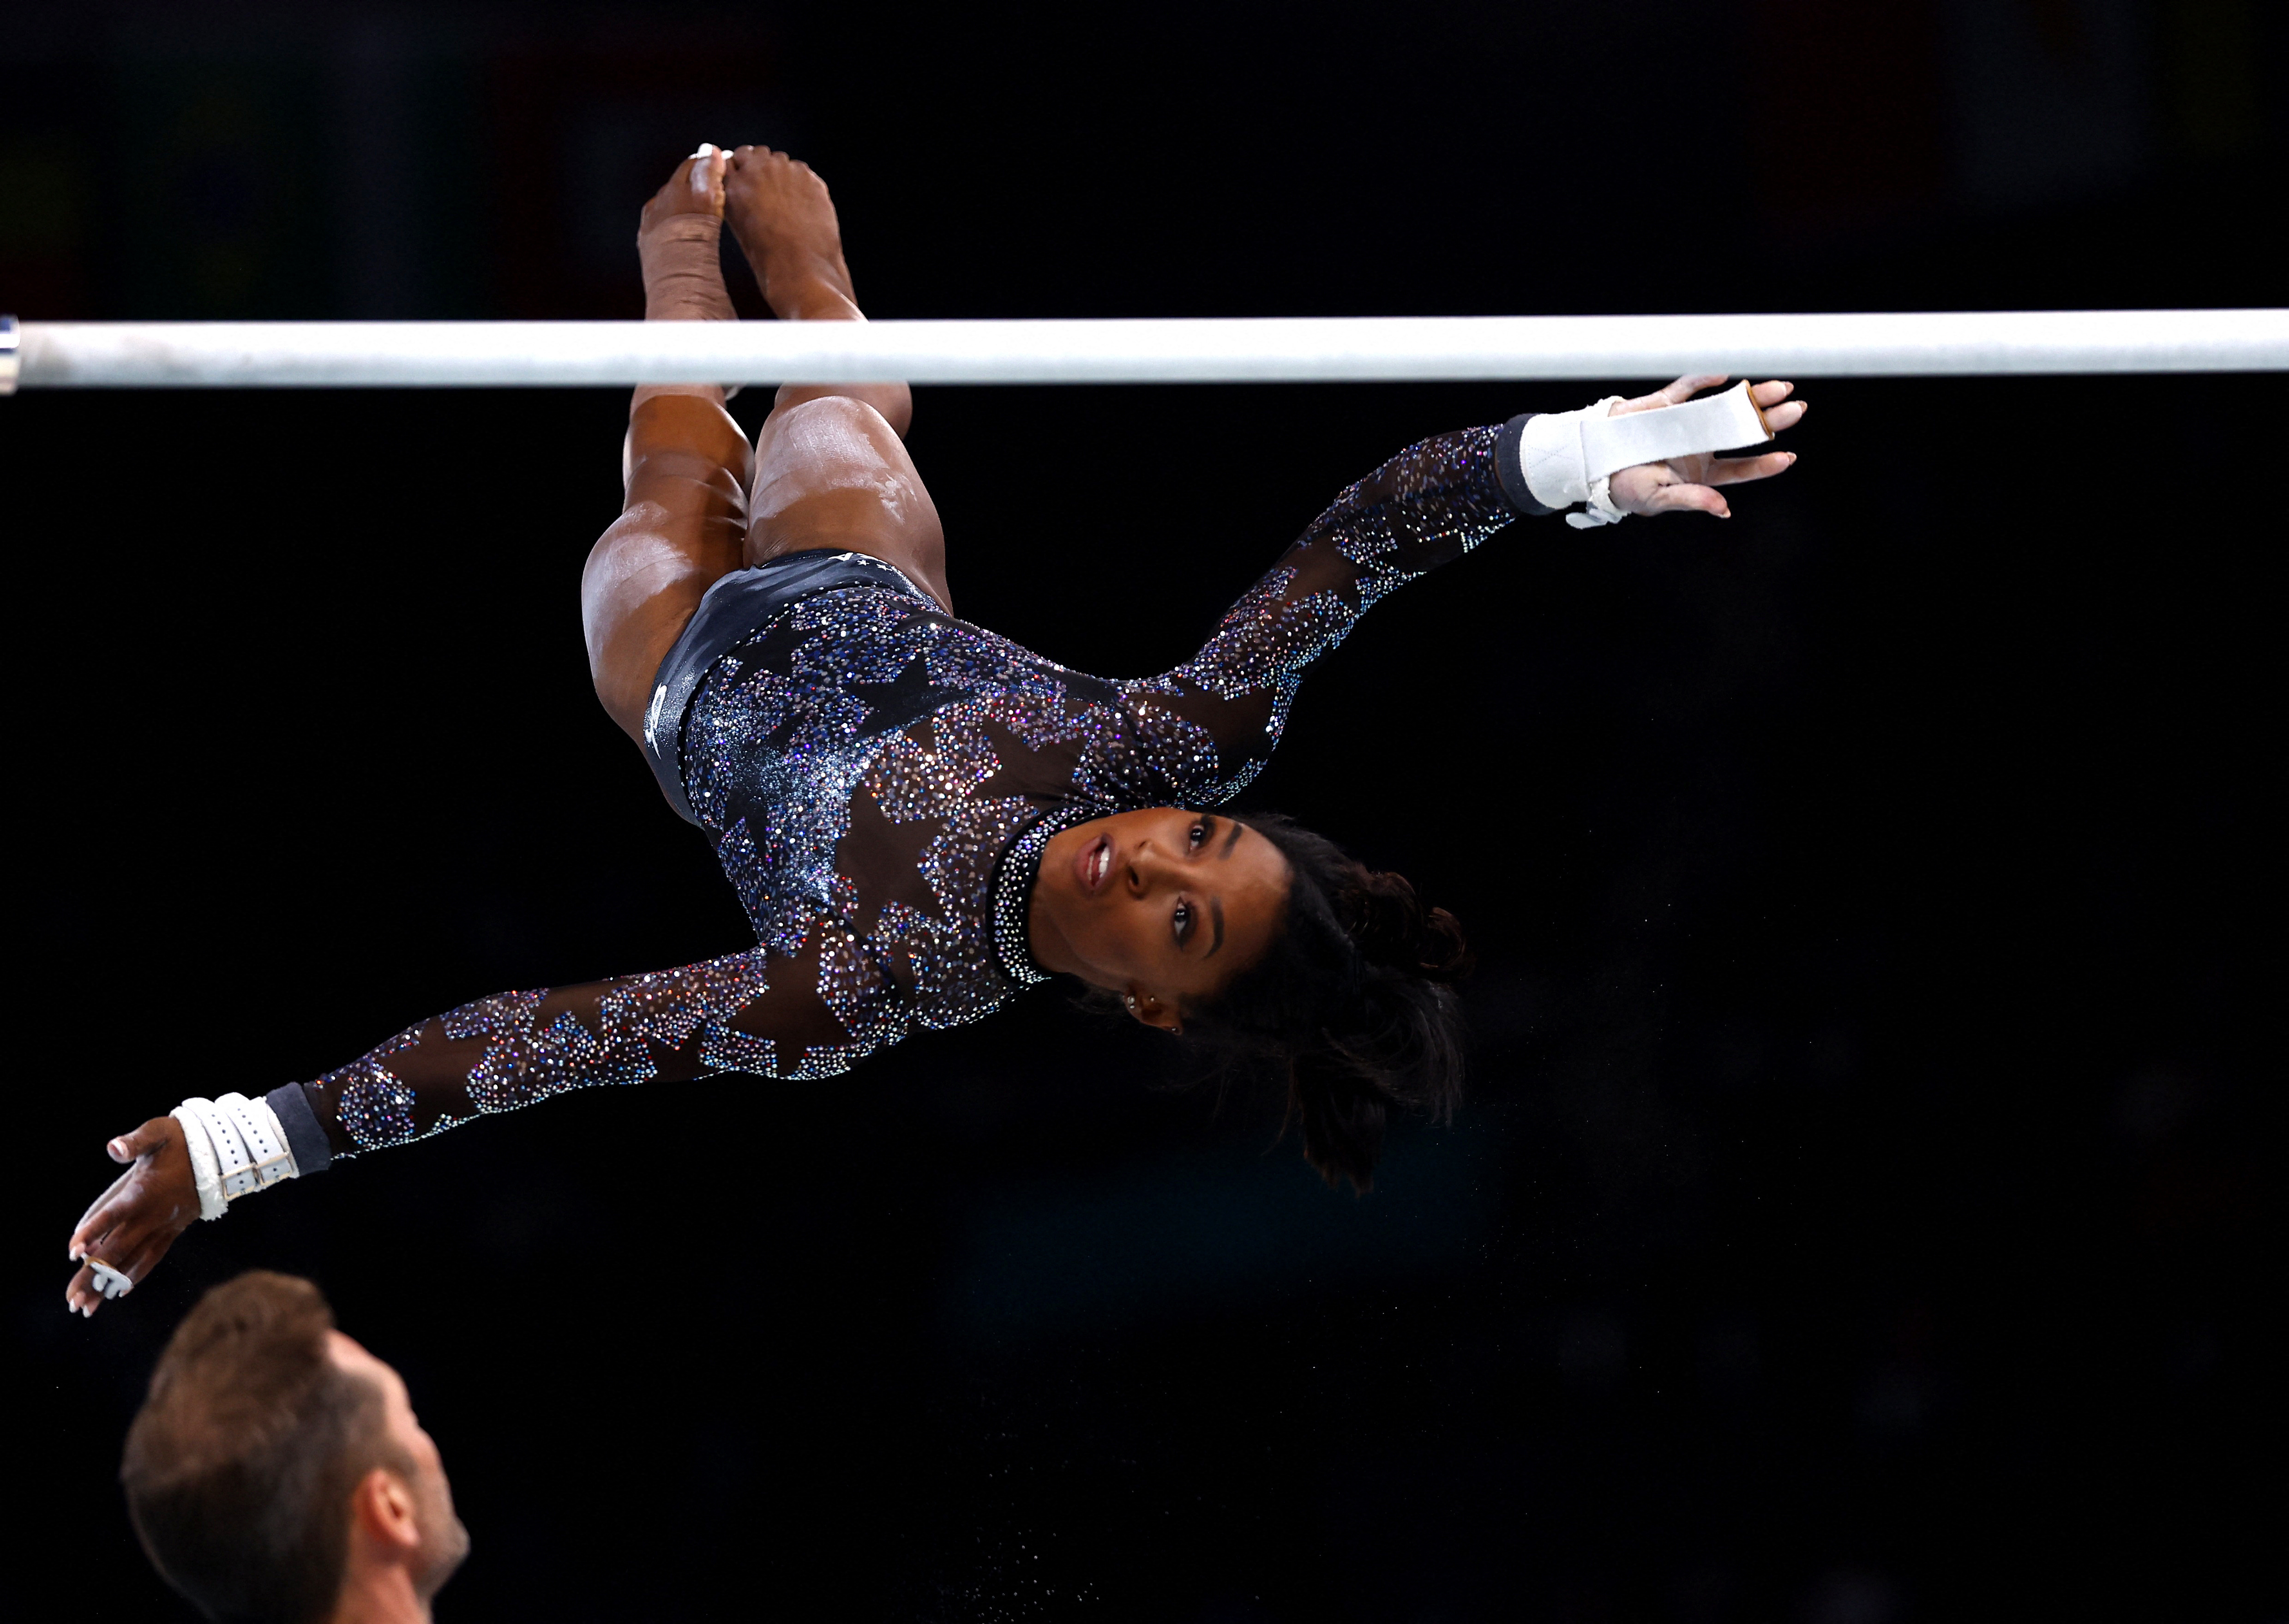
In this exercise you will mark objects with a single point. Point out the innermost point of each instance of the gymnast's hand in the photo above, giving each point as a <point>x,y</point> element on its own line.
<point>1690,483</point>
<point>132,1224</point>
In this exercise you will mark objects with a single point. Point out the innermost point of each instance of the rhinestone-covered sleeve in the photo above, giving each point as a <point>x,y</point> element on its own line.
<point>753,1012</point>
<point>1220,713</point>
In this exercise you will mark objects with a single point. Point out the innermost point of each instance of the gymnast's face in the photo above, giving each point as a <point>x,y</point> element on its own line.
<point>1162,905</point>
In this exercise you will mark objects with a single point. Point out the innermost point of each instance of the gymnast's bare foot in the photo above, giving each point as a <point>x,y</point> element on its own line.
<point>785,223</point>
<point>676,241</point>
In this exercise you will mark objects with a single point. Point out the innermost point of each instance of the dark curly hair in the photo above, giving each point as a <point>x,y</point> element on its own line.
<point>1351,1008</point>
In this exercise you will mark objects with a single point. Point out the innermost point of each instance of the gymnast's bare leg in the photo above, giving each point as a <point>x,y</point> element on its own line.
<point>831,465</point>
<point>829,469</point>
<point>684,523</point>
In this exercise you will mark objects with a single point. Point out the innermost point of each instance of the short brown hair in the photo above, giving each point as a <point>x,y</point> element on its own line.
<point>239,1466</point>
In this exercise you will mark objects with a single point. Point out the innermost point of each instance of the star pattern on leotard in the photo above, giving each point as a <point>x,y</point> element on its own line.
<point>906,698</point>
<point>863,762</point>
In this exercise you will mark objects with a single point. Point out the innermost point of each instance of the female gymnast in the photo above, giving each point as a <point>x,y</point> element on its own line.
<point>922,817</point>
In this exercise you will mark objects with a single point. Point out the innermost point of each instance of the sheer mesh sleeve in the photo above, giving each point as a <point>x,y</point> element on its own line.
<point>750,1013</point>
<point>1427,506</point>
<point>1191,735</point>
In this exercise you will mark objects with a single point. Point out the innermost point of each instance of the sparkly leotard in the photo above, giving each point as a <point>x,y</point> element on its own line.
<point>879,778</point>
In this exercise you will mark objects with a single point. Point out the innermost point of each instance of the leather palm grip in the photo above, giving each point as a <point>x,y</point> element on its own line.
<point>1569,457</point>
<point>236,1147</point>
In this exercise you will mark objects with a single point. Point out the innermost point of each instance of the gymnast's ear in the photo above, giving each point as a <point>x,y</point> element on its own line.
<point>1152,1010</point>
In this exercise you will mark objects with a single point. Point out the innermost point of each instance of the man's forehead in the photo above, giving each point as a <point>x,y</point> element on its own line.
<point>352,1355</point>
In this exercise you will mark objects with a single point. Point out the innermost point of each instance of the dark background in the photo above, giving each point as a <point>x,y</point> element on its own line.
<point>1868,1208</point>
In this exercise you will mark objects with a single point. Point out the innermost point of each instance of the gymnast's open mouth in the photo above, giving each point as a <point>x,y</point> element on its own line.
<point>1093,864</point>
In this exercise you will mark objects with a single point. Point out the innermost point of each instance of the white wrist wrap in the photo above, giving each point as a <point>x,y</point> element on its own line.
<point>1570,457</point>
<point>237,1146</point>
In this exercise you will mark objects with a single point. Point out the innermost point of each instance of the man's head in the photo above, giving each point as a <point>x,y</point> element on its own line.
<point>277,1463</point>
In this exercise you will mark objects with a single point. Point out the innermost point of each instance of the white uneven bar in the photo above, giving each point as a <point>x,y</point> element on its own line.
<point>303,354</point>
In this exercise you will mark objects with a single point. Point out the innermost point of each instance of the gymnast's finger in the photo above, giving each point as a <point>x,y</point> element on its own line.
<point>133,1148</point>
<point>98,1210</point>
<point>89,1240</point>
<point>1670,395</point>
<point>1733,470</point>
<point>1688,499</point>
<point>706,169</point>
<point>148,1140</point>
<point>109,1245</point>
<point>1786,416</point>
<point>125,1224</point>
<point>1770,394</point>
<point>139,1259</point>
<point>89,1290</point>
<point>1686,387</point>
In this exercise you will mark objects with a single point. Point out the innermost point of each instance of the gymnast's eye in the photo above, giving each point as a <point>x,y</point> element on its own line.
<point>1183,922</point>
<point>1199,834</point>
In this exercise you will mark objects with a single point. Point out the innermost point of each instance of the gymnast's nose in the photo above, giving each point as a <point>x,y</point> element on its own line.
<point>1149,869</point>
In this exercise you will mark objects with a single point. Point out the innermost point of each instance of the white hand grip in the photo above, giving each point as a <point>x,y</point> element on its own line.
<point>1567,457</point>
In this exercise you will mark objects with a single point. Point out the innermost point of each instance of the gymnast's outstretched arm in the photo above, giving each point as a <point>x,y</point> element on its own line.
<point>747,1012</point>
<point>1426,506</point>
<point>682,526</point>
